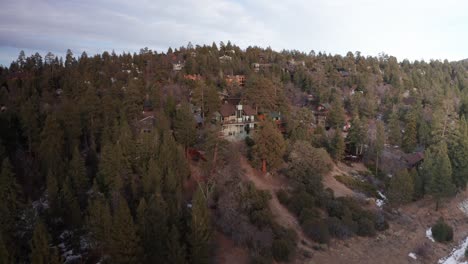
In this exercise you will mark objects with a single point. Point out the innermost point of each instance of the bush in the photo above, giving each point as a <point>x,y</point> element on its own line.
<point>442,232</point>
<point>300,201</point>
<point>317,230</point>
<point>357,185</point>
<point>283,197</point>
<point>365,227</point>
<point>338,229</point>
<point>282,249</point>
<point>308,214</point>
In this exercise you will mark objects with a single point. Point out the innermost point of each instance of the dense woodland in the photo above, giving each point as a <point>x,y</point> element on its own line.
<point>80,183</point>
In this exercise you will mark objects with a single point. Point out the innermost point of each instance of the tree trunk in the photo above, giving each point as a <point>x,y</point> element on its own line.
<point>264,166</point>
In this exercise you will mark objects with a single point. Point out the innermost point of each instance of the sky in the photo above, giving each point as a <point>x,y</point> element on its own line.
<point>406,29</point>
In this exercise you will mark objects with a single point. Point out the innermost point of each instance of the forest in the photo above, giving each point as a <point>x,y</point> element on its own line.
<point>86,179</point>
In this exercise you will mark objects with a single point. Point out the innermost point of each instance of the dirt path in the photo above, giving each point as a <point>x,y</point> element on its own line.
<point>280,213</point>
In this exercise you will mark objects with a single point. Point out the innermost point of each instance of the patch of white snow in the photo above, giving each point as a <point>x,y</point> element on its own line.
<point>457,255</point>
<point>429,234</point>
<point>412,255</point>
<point>463,206</point>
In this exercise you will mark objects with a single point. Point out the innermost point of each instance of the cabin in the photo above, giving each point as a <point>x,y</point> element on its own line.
<point>237,120</point>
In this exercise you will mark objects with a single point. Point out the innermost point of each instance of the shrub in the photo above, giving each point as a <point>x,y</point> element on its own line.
<point>282,249</point>
<point>442,232</point>
<point>308,214</point>
<point>283,197</point>
<point>338,229</point>
<point>261,218</point>
<point>300,201</point>
<point>317,230</point>
<point>365,227</point>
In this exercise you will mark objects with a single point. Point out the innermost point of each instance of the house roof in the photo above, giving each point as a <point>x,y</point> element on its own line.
<point>227,110</point>
<point>249,110</point>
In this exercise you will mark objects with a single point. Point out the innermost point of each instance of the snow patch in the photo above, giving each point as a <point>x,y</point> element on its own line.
<point>73,259</point>
<point>412,255</point>
<point>382,195</point>
<point>429,234</point>
<point>463,206</point>
<point>457,255</point>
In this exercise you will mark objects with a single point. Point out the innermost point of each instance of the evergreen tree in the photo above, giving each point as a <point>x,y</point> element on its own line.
<point>438,172</point>
<point>200,230</point>
<point>379,143</point>
<point>51,147</point>
<point>458,153</point>
<point>152,229</point>
<point>337,146</point>
<point>77,174</point>
<point>99,220</point>
<point>176,250</point>
<point>4,255</point>
<point>184,127</point>
<point>40,252</point>
<point>336,115</point>
<point>394,129</point>
<point>401,188</point>
<point>269,146</point>
<point>9,203</point>
<point>410,136</point>
<point>112,168</point>
<point>357,136</point>
<point>124,243</point>
<point>52,192</point>
<point>69,204</point>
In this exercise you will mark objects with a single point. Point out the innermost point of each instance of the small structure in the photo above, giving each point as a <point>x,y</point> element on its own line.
<point>413,160</point>
<point>148,120</point>
<point>321,113</point>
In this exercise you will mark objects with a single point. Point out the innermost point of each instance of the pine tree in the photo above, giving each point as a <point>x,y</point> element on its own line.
<point>401,188</point>
<point>52,192</point>
<point>77,174</point>
<point>394,129</point>
<point>410,136</point>
<point>269,146</point>
<point>99,220</point>
<point>40,252</point>
<point>51,147</point>
<point>337,146</point>
<point>4,255</point>
<point>200,230</point>
<point>379,144</point>
<point>153,231</point>
<point>357,135</point>
<point>124,243</point>
<point>458,153</point>
<point>112,168</point>
<point>336,116</point>
<point>9,204</point>
<point>184,127</point>
<point>176,251</point>
<point>152,180</point>
<point>438,172</point>
<point>69,204</point>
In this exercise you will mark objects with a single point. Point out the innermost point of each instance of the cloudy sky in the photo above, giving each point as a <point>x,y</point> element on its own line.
<point>410,29</point>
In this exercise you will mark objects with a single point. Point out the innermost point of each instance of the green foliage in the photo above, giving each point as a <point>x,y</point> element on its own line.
<point>200,230</point>
<point>269,146</point>
<point>442,232</point>
<point>394,129</point>
<point>307,162</point>
<point>401,188</point>
<point>357,185</point>
<point>337,146</point>
<point>40,251</point>
<point>284,243</point>
<point>317,230</point>
<point>124,242</point>
<point>185,127</point>
<point>99,220</point>
<point>4,255</point>
<point>51,148</point>
<point>9,203</point>
<point>410,136</point>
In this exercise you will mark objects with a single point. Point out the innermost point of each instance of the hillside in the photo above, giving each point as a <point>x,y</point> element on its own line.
<point>220,154</point>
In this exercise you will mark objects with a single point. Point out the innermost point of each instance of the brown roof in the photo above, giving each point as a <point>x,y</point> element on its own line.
<point>249,110</point>
<point>227,110</point>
